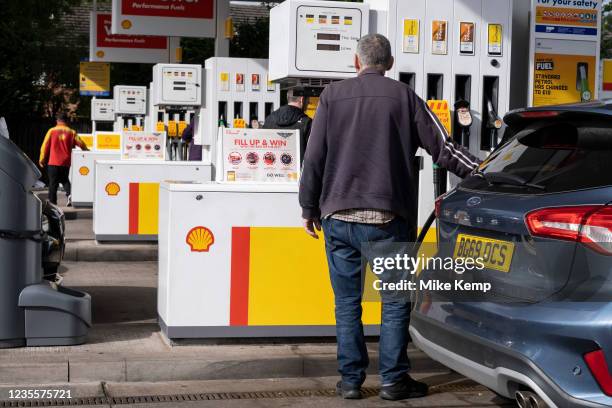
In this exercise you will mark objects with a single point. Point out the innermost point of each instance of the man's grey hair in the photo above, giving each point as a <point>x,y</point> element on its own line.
<point>374,51</point>
<point>292,97</point>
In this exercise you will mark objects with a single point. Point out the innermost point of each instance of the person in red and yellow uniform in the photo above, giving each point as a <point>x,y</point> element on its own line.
<point>55,153</point>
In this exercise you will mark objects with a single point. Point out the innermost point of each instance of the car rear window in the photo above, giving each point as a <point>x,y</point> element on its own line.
<point>556,157</point>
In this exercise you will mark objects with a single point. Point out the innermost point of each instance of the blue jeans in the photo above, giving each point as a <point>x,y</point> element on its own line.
<point>343,244</point>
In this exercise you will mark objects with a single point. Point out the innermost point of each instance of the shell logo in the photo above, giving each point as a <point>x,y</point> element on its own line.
<point>112,189</point>
<point>100,54</point>
<point>200,239</point>
<point>84,170</point>
<point>126,24</point>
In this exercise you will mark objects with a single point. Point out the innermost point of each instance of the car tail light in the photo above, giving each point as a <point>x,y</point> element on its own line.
<point>596,361</point>
<point>538,114</point>
<point>589,224</point>
<point>597,231</point>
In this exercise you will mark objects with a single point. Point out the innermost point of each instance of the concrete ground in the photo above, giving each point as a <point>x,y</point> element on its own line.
<point>127,356</point>
<point>446,391</point>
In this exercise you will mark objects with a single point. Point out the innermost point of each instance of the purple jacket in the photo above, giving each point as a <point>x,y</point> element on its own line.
<point>195,150</point>
<point>362,146</point>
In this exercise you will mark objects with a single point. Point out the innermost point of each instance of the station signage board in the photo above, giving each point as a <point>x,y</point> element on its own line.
<point>94,79</point>
<point>177,18</point>
<point>565,51</point>
<point>107,47</point>
<point>260,155</point>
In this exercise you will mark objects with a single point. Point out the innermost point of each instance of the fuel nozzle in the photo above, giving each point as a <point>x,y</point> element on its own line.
<point>464,115</point>
<point>464,120</point>
<point>494,123</point>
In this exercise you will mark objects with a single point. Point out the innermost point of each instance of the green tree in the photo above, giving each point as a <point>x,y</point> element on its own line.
<point>606,32</point>
<point>197,50</point>
<point>38,69</point>
<point>251,39</point>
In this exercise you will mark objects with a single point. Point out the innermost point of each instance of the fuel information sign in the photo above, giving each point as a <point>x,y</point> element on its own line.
<point>565,51</point>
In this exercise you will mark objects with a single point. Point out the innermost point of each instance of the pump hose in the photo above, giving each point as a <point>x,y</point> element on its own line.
<point>426,227</point>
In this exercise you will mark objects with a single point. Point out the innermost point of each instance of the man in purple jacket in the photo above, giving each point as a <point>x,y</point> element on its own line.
<point>357,183</point>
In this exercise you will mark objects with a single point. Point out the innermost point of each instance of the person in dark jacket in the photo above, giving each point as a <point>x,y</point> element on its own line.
<point>357,184</point>
<point>195,150</point>
<point>292,116</point>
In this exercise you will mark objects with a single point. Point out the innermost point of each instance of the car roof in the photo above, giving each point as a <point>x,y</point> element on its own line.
<point>519,118</point>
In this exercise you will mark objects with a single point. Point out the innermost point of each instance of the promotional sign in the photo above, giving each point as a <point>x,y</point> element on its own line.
<point>565,51</point>
<point>271,86</point>
<point>239,82</point>
<point>224,81</point>
<point>495,40</point>
<point>143,145</point>
<point>255,82</point>
<point>466,38</point>
<point>562,78</point>
<point>439,39</point>
<point>260,155</point>
<point>411,36</point>
<point>107,47</point>
<point>176,18</point>
<point>94,78</point>
<point>108,141</point>
<point>442,110</point>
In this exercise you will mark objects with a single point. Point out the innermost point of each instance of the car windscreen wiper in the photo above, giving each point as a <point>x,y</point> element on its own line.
<point>501,178</point>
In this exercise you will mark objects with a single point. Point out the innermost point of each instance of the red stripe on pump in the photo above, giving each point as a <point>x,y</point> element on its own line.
<point>239,287</point>
<point>133,209</point>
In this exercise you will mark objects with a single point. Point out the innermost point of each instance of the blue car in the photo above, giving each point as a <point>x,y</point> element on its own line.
<point>538,213</point>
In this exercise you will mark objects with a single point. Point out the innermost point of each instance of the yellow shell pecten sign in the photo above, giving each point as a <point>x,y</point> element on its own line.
<point>112,189</point>
<point>200,239</point>
<point>84,170</point>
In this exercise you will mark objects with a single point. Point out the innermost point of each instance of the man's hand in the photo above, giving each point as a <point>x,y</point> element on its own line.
<point>310,225</point>
<point>41,165</point>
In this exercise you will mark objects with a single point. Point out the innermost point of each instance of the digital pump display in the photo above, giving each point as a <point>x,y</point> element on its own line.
<point>327,38</point>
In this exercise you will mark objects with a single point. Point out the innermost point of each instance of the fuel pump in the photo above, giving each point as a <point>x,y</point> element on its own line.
<point>177,94</point>
<point>130,107</point>
<point>238,92</point>
<point>102,110</point>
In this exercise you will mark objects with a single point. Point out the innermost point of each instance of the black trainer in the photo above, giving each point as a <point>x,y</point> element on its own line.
<point>406,388</point>
<point>348,391</point>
